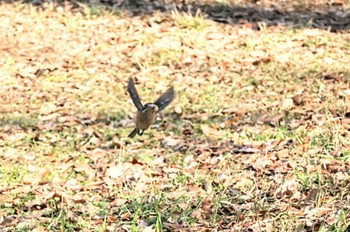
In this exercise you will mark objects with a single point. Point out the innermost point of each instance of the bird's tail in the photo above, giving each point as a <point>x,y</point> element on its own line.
<point>133,133</point>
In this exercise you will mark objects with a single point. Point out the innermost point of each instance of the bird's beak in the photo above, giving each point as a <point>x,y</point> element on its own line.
<point>152,107</point>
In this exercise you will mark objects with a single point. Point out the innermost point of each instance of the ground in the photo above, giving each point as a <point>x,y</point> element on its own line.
<point>257,138</point>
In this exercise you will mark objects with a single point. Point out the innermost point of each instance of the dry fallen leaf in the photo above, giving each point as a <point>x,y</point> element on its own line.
<point>287,104</point>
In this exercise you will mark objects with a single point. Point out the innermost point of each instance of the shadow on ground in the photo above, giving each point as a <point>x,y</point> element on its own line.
<point>323,15</point>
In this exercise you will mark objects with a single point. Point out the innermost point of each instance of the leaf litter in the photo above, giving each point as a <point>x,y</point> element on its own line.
<point>257,138</point>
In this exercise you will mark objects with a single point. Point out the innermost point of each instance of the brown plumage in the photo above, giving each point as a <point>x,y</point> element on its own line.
<point>146,114</point>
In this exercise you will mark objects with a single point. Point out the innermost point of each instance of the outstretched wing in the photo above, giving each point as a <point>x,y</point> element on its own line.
<point>164,100</point>
<point>134,95</point>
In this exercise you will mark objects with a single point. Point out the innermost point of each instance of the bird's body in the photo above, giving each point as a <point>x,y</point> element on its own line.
<point>146,114</point>
<point>146,117</point>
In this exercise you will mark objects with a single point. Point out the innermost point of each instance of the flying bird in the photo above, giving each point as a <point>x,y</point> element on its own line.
<point>147,113</point>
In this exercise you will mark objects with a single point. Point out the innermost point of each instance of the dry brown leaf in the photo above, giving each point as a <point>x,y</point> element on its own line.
<point>114,171</point>
<point>287,189</point>
<point>171,142</point>
<point>287,104</point>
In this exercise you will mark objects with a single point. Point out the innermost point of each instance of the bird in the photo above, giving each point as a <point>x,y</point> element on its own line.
<point>147,113</point>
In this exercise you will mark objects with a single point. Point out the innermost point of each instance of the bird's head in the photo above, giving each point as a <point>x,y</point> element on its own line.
<point>150,107</point>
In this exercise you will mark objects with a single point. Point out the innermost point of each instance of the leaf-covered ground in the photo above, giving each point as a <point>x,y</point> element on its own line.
<point>256,140</point>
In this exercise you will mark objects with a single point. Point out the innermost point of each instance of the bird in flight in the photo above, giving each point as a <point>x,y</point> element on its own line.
<point>147,113</point>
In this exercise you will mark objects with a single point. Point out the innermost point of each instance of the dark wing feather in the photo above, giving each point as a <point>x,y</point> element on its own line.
<point>164,100</point>
<point>134,95</point>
